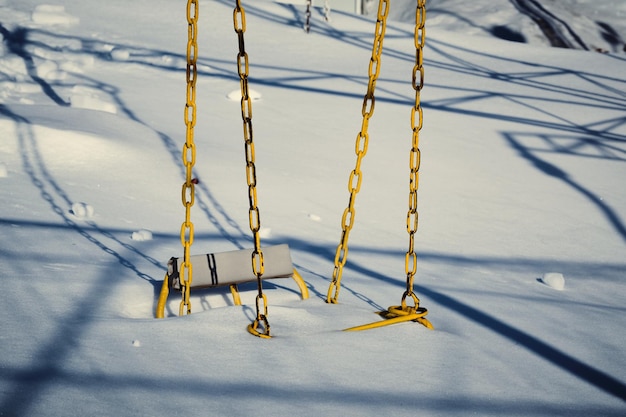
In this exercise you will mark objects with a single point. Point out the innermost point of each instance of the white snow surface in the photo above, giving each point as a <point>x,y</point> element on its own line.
<point>523,157</point>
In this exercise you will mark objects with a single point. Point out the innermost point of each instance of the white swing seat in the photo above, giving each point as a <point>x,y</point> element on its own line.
<point>230,268</point>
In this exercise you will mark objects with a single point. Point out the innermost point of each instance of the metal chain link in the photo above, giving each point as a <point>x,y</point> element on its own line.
<point>189,155</point>
<point>307,21</point>
<point>415,155</point>
<point>258,267</point>
<point>307,14</point>
<point>354,182</point>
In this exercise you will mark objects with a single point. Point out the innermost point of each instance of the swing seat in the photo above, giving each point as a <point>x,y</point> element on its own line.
<point>230,268</point>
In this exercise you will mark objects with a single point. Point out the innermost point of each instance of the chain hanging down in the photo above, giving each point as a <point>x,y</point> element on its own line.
<point>410,266</point>
<point>405,312</point>
<point>327,10</point>
<point>307,18</point>
<point>307,14</point>
<point>239,19</point>
<point>362,139</point>
<point>189,155</point>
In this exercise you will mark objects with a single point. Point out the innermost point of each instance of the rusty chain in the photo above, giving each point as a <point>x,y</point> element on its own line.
<point>415,154</point>
<point>189,155</point>
<point>258,266</point>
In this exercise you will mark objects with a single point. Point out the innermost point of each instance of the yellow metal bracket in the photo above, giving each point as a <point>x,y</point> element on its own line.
<point>165,292</point>
<point>391,316</point>
<point>399,314</point>
<point>234,290</point>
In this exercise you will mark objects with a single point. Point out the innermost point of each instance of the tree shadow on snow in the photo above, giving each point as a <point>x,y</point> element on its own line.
<point>592,91</point>
<point>576,367</point>
<point>48,361</point>
<point>582,147</point>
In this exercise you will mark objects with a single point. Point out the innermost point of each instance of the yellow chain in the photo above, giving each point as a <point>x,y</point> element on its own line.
<point>404,313</point>
<point>410,266</point>
<point>189,154</point>
<point>258,268</point>
<point>354,182</point>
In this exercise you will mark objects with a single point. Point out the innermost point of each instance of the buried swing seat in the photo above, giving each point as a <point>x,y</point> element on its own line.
<point>230,268</point>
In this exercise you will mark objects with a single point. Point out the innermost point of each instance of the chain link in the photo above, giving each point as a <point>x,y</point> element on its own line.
<point>189,155</point>
<point>307,14</point>
<point>307,20</point>
<point>258,267</point>
<point>362,139</point>
<point>410,266</point>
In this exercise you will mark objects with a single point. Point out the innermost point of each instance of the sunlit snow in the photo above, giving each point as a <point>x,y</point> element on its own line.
<point>522,211</point>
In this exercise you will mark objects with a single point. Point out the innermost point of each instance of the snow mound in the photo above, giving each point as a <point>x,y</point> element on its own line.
<point>120,54</point>
<point>554,280</point>
<point>88,98</point>
<point>314,217</point>
<point>49,70</point>
<point>141,235</point>
<point>4,172</point>
<point>235,95</point>
<point>82,210</point>
<point>47,14</point>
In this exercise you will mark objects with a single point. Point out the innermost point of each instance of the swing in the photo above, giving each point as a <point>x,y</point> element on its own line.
<point>228,268</point>
<point>231,268</point>
<point>404,312</point>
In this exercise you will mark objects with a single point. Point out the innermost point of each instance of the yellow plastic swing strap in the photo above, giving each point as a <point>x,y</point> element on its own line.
<point>189,155</point>
<point>354,182</point>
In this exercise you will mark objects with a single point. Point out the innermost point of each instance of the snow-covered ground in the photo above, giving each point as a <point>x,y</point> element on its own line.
<point>522,211</point>
<point>589,25</point>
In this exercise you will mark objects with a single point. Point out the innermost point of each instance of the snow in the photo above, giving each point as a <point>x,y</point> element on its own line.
<point>141,235</point>
<point>82,210</point>
<point>523,152</point>
<point>46,14</point>
<point>554,280</point>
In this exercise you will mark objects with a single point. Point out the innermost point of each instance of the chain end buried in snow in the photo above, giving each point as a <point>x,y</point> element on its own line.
<point>253,328</point>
